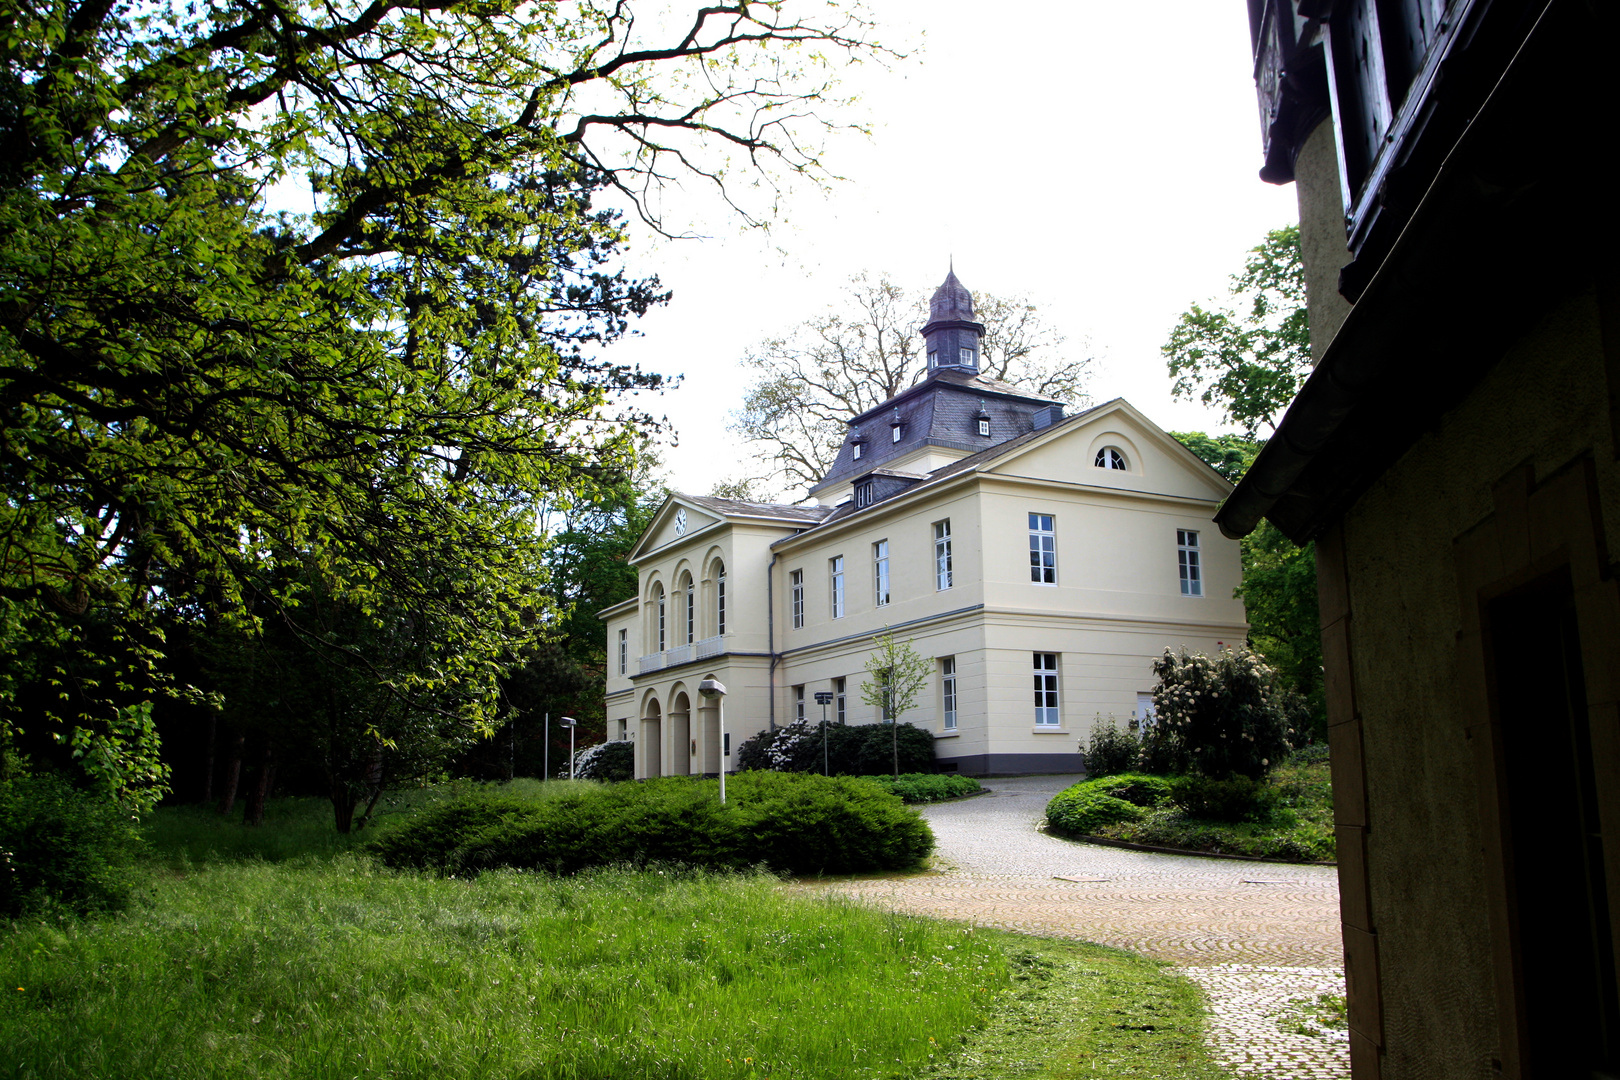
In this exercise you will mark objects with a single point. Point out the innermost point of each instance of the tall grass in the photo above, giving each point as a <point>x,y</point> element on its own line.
<point>336,969</point>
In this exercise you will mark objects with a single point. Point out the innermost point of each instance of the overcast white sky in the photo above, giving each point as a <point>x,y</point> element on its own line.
<point>1100,156</point>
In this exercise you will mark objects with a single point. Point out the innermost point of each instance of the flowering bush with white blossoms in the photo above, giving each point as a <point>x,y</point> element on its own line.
<point>614,760</point>
<point>1219,716</point>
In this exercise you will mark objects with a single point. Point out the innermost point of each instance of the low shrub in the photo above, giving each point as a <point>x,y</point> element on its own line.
<point>1138,789</point>
<point>1080,811</point>
<point>928,787</point>
<point>1290,841</point>
<point>851,749</point>
<point>63,848</point>
<point>797,824</point>
<point>610,761</point>
<point>1234,799</point>
<point>1111,749</point>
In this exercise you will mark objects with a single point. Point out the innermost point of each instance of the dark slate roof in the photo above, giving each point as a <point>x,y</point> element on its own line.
<point>951,301</point>
<point>847,508</point>
<point>941,410</point>
<point>798,515</point>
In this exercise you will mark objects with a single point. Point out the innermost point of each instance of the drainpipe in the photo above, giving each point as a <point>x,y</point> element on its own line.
<point>770,629</point>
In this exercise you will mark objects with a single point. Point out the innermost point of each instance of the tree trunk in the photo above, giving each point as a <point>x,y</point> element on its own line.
<point>208,759</point>
<point>253,813</point>
<point>233,772</point>
<point>343,803</point>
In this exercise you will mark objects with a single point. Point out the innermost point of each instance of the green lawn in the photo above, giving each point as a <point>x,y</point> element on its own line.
<point>323,965</point>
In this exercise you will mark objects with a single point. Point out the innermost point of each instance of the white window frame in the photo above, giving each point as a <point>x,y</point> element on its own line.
<point>841,699</point>
<point>863,495</point>
<point>720,602</point>
<point>933,359</point>
<point>855,450</point>
<point>969,356</point>
<point>984,425</point>
<point>942,555</point>
<point>1188,563</point>
<point>1048,705</point>
<point>880,573</point>
<point>896,433</point>
<point>663,638</point>
<point>835,579</point>
<point>624,652</point>
<point>798,704</point>
<point>947,693</point>
<point>1111,457</point>
<point>796,597</point>
<point>1043,549</point>
<point>691,611</point>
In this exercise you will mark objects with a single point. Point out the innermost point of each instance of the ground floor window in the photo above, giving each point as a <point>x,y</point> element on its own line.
<point>798,704</point>
<point>1046,689</point>
<point>839,698</point>
<point>947,687</point>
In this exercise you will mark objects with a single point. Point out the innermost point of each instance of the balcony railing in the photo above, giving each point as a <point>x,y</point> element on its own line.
<point>683,654</point>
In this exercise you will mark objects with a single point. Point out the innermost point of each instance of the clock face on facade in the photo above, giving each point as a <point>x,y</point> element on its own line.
<point>680,522</point>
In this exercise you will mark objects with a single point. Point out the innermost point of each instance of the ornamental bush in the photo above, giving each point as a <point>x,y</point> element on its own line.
<point>610,761</point>
<point>852,749</point>
<point>1138,789</point>
<point>796,824</point>
<point>1081,810</point>
<point>1235,799</point>
<point>1111,749</point>
<point>928,787</point>
<point>1215,716</point>
<point>63,848</point>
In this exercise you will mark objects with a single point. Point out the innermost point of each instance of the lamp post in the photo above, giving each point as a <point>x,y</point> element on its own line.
<point>714,690</point>
<point>824,698</point>
<point>569,722</point>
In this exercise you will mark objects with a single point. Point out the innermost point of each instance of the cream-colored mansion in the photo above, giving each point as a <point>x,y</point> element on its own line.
<point>1041,561</point>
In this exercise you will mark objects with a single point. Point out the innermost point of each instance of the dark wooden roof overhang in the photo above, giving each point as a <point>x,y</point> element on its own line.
<point>1521,213</point>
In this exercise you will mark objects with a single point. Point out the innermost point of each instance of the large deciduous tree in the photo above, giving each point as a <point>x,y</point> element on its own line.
<point>810,381</point>
<point>1248,357</point>
<point>301,305</point>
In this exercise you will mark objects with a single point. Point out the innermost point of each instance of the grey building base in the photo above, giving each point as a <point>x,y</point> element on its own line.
<point>1013,764</point>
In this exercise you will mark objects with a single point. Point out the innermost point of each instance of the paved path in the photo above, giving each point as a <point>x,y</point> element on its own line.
<point>1260,938</point>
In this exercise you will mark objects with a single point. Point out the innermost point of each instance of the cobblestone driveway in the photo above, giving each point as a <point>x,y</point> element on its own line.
<point>1258,937</point>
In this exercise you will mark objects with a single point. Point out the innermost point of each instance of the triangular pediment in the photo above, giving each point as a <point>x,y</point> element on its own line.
<point>677,520</point>
<point>1154,460</point>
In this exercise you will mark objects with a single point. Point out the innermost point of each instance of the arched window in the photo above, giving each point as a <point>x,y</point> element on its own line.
<point>658,603</point>
<point>1109,457</point>
<point>691,612</point>
<point>720,598</point>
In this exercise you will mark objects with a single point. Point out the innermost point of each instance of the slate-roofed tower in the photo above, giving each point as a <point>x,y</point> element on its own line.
<point>952,335</point>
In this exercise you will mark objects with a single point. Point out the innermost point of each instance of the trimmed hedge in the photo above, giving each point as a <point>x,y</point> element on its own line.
<point>852,749</point>
<point>1079,812</point>
<point>791,823</point>
<point>1235,799</point>
<point>63,848</point>
<point>927,787</point>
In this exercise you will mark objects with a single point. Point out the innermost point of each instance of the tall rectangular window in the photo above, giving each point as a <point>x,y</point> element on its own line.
<point>942,554</point>
<point>720,603</point>
<point>863,495</point>
<point>663,639</point>
<point>624,651</point>
<point>691,613</point>
<point>885,684</point>
<point>1042,549</point>
<point>880,572</point>
<point>1192,578</point>
<point>947,690</point>
<point>796,588</point>
<point>798,704</point>
<point>835,572</point>
<point>1046,689</point>
<point>840,700</point>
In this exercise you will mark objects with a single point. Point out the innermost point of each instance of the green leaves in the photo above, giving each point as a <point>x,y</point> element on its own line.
<point>1248,359</point>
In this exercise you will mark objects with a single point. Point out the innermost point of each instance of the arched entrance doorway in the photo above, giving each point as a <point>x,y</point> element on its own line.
<point>680,735</point>
<point>652,739</point>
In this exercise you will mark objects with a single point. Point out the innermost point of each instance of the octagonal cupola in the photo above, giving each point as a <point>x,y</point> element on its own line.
<point>953,337</point>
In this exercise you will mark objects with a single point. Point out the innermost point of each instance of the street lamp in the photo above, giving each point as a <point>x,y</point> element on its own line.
<point>824,698</point>
<point>715,690</point>
<point>569,722</point>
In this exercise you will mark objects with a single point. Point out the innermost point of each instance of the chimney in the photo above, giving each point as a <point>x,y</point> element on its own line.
<point>1047,417</point>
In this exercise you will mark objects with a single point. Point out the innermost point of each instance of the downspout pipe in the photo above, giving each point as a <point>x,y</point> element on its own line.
<point>770,630</point>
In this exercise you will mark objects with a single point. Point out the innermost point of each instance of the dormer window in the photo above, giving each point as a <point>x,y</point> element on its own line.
<point>896,432</point>
<point>863,495</point>
<point>855,451</point>
<point>984,425</point>
<point>895,426</point>
<point>1110,458</point>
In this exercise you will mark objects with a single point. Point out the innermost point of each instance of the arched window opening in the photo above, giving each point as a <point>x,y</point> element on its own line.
<point>720,599</point>
<point>1109,457</point>
<point>658,602</point>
